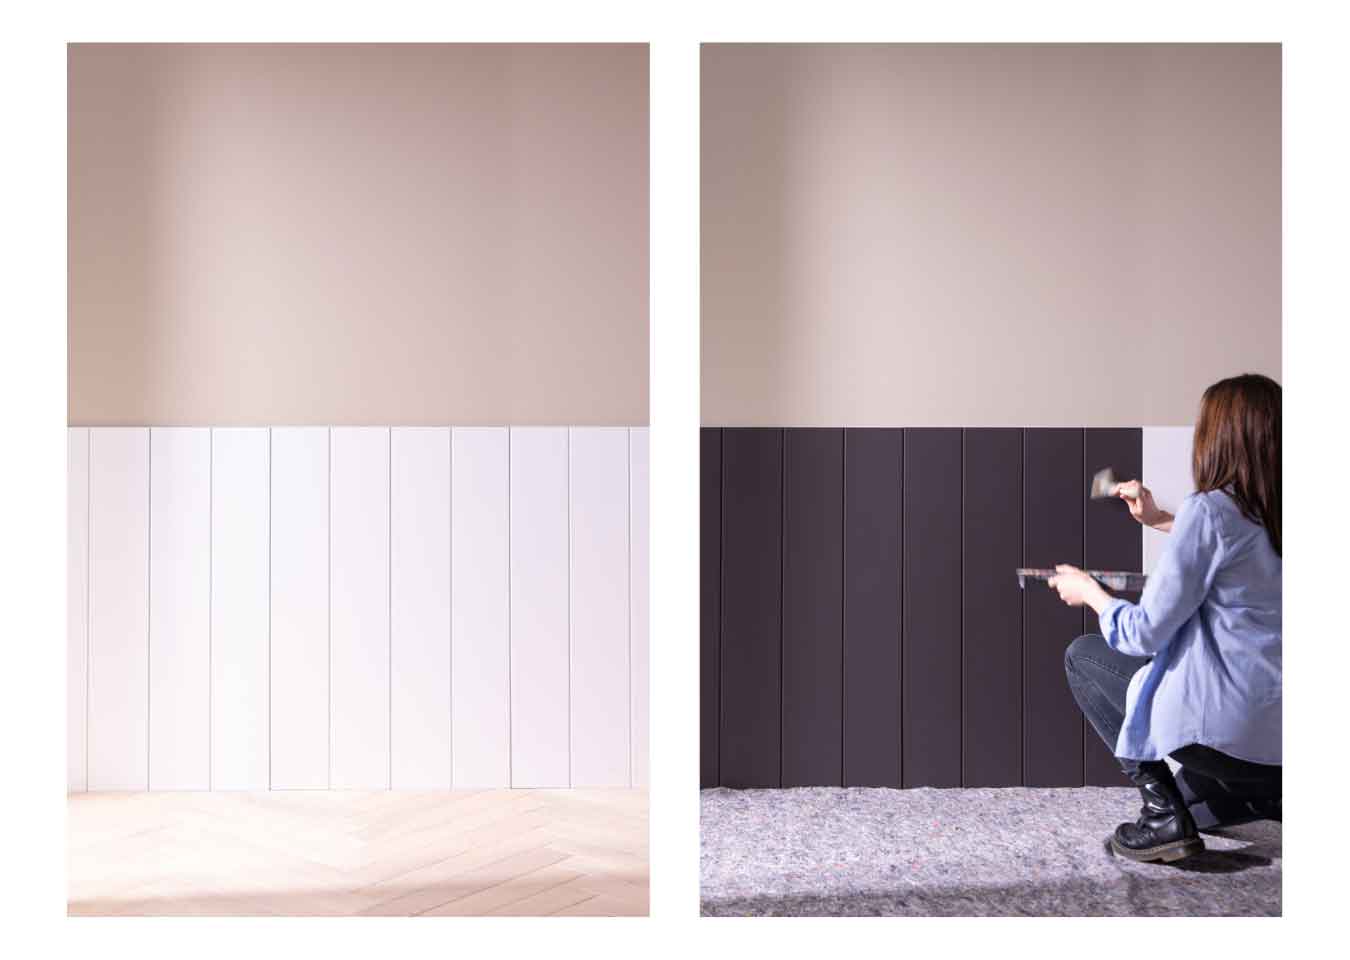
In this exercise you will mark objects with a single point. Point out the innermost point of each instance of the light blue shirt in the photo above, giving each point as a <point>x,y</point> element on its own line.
<point>1210,617</point>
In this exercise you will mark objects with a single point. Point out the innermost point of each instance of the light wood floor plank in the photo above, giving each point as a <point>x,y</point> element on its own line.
<point>489,899</point>
<point>331,853</point>
<point>545,903</point>
<point>603,906</point>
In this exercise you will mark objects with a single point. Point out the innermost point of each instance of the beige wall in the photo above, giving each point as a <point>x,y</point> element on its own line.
<point>358,234</point>
<point>986,235</point>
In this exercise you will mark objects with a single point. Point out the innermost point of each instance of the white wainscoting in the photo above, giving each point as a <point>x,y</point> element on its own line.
<point>300,664</point>
<point>357,608</point>
<point>241,574</point>
<point>639,540</point>
<point>540,656</point>
<point>180,609</point>
<point>420,674</point>
<point>480,608</point>
<point>358,645</point>
<point>77,608</point>
<point>119,609</point>
<point>601,667</point>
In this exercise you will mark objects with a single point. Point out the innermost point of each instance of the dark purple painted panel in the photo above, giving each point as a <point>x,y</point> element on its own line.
<point>710,601</point>
<point>1112,541</point>
<point>813,607</point>
<point>931,691</point>
<point>752,570</point>
<point>1052,732</point>
<point>860,620</point>
<point>991,605</point>
<point>872,551</point>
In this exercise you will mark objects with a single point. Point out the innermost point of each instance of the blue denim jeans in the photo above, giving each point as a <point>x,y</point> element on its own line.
<point>1217,788</point>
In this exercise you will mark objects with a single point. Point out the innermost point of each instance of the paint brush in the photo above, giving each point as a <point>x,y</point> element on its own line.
<point>1103,484</point>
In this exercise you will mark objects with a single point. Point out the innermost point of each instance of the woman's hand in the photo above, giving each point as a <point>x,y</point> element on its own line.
<point>1076,588</point>
<point>1139,499</point>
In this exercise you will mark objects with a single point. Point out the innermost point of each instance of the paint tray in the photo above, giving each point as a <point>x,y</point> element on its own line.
<point>1114,579</point>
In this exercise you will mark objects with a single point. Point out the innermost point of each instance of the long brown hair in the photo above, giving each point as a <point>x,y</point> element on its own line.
<point>1237,447</point>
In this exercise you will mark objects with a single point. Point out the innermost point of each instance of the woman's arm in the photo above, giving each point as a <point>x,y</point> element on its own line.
<point>1139,499</point>
<point>1077,589</point>
<point>1174,592</point>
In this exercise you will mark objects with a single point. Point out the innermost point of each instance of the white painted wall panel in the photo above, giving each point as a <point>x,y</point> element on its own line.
<point>481,607</point>
<point>299,695</point>
<point>359,604</point>
<point>1167,472</point>
<point>77,607</point>
<point>119,601</point>
<point>300,608</point>
<point>419,616</point>
<point>639,544</point>
<point>240,595</point>
<point>539,599</point>
<point>180,608</point>
<point>600,705</point>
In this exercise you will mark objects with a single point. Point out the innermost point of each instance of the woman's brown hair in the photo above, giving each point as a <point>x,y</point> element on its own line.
<point>1237,447</point>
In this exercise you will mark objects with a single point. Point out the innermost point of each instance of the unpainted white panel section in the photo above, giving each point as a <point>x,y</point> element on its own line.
<point>419,617</point>
<point>481,607</point>
<point>540,733</point>
<point>77,607</point>
<point>359,604</point>
<point>119,608</point>
<point>1167,472</point>
<point>299,694</point>
<point>600,703</point>
<point>180,608</point>
<point>639,540</point>
<point>240,628</point>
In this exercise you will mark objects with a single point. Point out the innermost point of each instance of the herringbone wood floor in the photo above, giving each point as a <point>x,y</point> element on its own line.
<point>518,852</point>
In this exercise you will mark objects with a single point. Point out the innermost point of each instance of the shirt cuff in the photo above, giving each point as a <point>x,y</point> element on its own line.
<point>1107,620</point>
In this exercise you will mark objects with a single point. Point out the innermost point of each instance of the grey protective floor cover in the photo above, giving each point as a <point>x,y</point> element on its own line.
<point>826,851</point>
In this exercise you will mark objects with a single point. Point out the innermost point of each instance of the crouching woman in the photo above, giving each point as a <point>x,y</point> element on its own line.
<point>1193,670</point>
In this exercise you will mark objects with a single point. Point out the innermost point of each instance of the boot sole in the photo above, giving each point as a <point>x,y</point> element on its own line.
<point>1166,852</point>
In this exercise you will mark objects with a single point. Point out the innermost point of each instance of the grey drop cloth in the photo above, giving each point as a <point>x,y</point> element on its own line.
<point>826,851</point>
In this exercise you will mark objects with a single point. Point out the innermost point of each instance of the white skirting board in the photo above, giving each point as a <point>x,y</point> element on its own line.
<point>356,607</point>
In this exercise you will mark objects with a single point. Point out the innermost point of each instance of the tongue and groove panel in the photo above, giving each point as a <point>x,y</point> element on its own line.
<point>861,623</point>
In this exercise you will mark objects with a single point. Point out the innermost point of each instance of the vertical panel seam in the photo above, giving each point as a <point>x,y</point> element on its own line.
<point>149,586</point>
<point>721,588</point>
<point>269,608</point>
<point>628,620</point>
<point>960,615</point>
<point>389,591</point>
<point>510,623</point>
<point>1022,687</point>
<point>568,475</point>
<point>88,592</point>
<point>900,620</point>
<point>450,594</point>
<point>210,602</point>
<point>843,607</point>
<point>1082,613</point>
<point>329,606</point>
<point>782,561</point>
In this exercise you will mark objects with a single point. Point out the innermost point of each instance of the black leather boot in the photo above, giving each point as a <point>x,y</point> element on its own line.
<point>1269,809</point>
<point>1164,830</point>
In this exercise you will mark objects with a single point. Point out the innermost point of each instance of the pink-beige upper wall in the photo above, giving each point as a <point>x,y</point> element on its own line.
<point>358,234</point>
<point>967,235</point>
